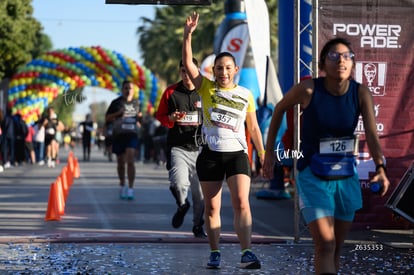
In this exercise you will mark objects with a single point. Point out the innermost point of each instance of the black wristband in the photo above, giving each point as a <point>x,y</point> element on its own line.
<point>380,166</point>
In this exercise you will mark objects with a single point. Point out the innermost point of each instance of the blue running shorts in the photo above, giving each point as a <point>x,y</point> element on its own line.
<point>328,198</point>
<point>120,144</point>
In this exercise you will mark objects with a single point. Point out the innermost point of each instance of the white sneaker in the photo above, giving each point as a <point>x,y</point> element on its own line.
<point>51,163</point>
<point>1,168</point>
<point>7,165</point>
<point>41,163</point>
<point>124,192</point>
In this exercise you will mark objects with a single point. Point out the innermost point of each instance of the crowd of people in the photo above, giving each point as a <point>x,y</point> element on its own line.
<point>39,143</point>
<point>199,133</point>
<point>34,144</point>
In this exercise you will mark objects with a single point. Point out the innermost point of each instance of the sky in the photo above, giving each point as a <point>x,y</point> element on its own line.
<point>77,23</point>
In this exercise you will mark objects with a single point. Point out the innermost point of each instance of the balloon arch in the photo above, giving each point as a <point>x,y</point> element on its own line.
<point>57,72</point>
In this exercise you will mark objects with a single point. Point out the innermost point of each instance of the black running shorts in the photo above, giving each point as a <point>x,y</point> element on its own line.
<point>214,166</point>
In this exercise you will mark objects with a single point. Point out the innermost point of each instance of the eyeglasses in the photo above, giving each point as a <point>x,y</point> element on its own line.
<point>334,56</point>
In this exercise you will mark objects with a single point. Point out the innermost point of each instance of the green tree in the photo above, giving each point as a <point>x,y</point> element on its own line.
<point>272,6</point>
<point>64,106</point>
<point>98,111</point>
<point>43,44</point>
<point>160,38</point>
<point>21,37</point>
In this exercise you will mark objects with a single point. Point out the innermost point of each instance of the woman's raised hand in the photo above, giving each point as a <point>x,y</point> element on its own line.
<point>191,22</point>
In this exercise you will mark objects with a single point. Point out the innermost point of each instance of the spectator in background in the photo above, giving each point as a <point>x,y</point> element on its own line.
<point>29,147</point>
<point>86,128</point>
<point>160,143</point>
<point>108,133</point>
<point>1,140</point>
<point>59,139</point>
<point>149,126</point>
<point>39,140</point>
<point>67,140</point>
<point>8,144</point>
<point>20,132</point>
<point>53,125</point>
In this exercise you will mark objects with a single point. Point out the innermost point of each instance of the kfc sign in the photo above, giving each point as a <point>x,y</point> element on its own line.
<point>372,74</point>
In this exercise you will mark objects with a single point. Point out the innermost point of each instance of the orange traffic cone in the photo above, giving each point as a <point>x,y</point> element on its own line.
<point>71,163</point>
<point>70,155</point>
<point>52,212</point>
<point>69,175</point>
<point>65,186</point>
<point>76,172</point>
<point>60,196</point>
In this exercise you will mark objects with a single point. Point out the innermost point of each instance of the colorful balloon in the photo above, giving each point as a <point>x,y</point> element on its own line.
<point>57,72</point>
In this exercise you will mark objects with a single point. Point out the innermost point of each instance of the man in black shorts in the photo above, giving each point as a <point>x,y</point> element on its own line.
<point>124,112</point>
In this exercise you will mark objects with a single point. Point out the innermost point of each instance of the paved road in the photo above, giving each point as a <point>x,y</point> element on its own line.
<point>101,234</point>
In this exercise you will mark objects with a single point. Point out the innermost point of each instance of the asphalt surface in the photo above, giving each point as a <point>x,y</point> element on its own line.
<point>101,234</point>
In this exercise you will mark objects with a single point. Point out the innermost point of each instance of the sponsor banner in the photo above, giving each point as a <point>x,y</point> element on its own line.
<point>273,91</point>
<point>383,41</point>
<point>235,42</point>
<point>259,30</point>
<point>206,67</point>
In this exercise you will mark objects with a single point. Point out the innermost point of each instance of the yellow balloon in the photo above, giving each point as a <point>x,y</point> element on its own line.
<point>67,79</point>
<point>13,83</point>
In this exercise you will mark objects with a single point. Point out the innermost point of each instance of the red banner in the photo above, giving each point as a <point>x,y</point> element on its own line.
<point>383,41</point>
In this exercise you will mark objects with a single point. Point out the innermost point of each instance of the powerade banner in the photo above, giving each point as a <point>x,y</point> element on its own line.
<point>381,35</point>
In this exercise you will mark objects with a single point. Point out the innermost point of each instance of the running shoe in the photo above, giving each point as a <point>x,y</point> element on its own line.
<point>51,164</point>
<point>178,218</point>
<point>130,195</point>
<point>199,232</point>
<point>282,195</point>
<point>249,261</point>
<point>214,262</point>
<point>124,192</point>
